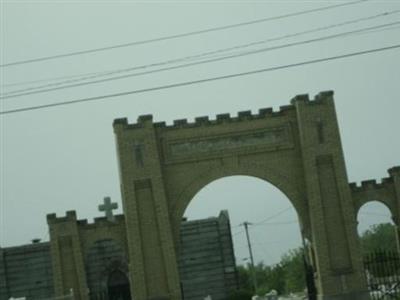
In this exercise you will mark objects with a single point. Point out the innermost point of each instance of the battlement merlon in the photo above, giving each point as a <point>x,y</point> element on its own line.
<point>120,125</point>
<point>394,172</point>
<point>395,176</point>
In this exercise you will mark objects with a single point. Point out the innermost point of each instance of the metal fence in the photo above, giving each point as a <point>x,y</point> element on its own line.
<point>383,274</point>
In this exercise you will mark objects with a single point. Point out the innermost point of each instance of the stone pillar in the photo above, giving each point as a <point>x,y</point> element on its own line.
<point>332,215</point>
<point>395,176</point>
<point>3,277</point>
<point>152,257</point>
<point>67,257</point>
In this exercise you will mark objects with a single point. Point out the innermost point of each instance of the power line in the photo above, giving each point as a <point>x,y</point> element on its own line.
<point>275,215</point>
<point>277,223</point>
<point>49,79</point>
<point>93,75</point>
<point>199,81</point>
<point>375,214</point>
<point>264,249</point>
<point>257,51</point>
<point>272,223</point>
<point>175,36</point>
<point>237,233</point>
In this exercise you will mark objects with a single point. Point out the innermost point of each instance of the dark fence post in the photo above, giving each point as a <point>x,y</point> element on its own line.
<point>311,288</point>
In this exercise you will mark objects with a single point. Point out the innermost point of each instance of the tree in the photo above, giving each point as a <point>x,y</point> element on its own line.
<point>379,237</point>
<point>293,264</point>
<point>240,295</point>
<point>244,277</point>
<point>284,277</point>
<point>275,279</point>
<point>289,274</point>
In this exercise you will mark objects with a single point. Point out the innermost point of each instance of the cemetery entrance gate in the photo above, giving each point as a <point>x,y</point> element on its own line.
<point>297,149</point>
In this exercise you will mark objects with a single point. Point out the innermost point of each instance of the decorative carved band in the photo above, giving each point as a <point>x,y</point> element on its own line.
<point>272,137</point>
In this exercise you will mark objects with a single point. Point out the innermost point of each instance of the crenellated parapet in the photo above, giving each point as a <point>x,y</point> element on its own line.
<point>101,222</point>
<point>147,120</point>
<point>372,184</point>
<point>372,190</point>
<point>70,216</point>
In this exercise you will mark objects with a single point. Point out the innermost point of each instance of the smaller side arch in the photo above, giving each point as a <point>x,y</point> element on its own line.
<point>370,191</point>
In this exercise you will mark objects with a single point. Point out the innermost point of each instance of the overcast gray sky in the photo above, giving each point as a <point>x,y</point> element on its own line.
<point>63,158</point>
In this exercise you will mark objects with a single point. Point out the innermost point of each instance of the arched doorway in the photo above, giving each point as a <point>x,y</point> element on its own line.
<point>118,286</point>
<point>102,258</point>
<point>377,234</point>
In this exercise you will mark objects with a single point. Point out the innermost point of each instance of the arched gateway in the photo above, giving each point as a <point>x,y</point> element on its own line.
<point>297,149</point>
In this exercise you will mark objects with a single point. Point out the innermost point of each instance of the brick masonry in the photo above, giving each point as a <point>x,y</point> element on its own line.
<point>206,259</point>
<point>297,149</point>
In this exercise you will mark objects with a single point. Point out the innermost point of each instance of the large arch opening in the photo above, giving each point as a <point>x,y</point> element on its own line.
<point>274,233</point>
<point>378,240</point>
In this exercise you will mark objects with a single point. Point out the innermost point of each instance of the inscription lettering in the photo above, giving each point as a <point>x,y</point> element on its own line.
<point>269,137</point>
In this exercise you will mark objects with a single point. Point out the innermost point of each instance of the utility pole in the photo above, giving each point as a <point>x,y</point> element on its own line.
<point>253,271</point>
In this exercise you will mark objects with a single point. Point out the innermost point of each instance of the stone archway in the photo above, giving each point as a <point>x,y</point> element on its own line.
<point>386,192</point>
<point>297,149</point>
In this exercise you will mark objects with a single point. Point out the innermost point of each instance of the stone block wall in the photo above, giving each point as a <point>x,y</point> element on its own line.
<point>206,259</point>
<point>25,271</point>
<point>207,263</point>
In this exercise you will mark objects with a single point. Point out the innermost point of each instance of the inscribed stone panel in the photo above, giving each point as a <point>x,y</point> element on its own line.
<point>333,216</point>
<point>150,234</point>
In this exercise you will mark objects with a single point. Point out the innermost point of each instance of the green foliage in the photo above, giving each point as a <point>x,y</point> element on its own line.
<point>244,277</point>
<point>289,275</point>
<point>269,278</point>
<point>375,243</point>
<point>379,237</point>
<point>241,294</point>
<point>293,264</point>
<point>285,277</point>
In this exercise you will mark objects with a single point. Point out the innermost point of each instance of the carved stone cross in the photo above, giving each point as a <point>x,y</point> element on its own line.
<point>108,208</point>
